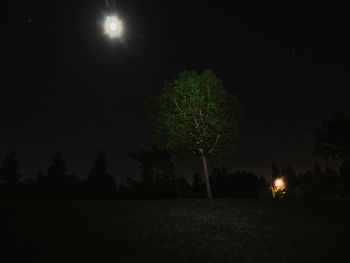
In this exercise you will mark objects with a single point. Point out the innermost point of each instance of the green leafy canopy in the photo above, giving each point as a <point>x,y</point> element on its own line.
<point>195,116</point>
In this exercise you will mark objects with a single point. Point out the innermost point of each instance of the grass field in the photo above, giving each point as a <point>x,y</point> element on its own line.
<point>175,230</point>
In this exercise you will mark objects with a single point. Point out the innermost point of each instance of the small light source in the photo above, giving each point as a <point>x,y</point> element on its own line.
<point>113,26</point>
<point>279,187</point>
<point>279,184</point>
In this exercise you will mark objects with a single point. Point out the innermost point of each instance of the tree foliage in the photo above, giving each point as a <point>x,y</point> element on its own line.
<point>100,181</point>
<point>155,164</point>
<point>195,116</point>
<point>238,184</point>
<point>58,168</point>
<point>9,169</point>
<point>57,182</point>
<point>158,177</point>
<point>332,139</point>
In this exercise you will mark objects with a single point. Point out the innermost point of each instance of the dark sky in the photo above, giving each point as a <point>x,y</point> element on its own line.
<point>66,86</point>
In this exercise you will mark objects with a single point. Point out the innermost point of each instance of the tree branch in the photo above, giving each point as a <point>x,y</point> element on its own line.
<point>215,143</point>
<point>177,105</point>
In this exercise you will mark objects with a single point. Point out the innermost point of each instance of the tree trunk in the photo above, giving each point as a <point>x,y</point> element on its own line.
<point>206,177</point>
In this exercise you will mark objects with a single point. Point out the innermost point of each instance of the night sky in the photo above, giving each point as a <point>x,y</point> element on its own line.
<point>66,86</point>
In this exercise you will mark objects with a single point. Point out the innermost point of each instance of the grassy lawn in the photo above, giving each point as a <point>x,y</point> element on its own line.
<point>175,230</point>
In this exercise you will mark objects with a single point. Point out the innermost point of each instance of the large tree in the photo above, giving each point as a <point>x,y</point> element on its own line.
<point>195,117</point>
<point>332,138</point>
<point>332,141</point>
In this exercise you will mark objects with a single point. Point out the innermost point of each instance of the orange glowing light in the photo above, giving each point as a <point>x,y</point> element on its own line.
<point>279,184</point>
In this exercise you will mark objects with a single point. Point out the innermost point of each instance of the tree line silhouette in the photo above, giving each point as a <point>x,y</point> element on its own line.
<point>158,180</point>
<point>327,182</point>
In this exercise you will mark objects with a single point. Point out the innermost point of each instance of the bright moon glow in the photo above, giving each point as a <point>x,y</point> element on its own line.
<point>279,183</point>
<point>113,26</point>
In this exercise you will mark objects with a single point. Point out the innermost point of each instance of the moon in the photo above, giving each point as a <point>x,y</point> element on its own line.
<point>113,26</point>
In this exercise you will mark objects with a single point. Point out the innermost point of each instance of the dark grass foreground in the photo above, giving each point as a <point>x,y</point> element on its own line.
<point>175,230</point>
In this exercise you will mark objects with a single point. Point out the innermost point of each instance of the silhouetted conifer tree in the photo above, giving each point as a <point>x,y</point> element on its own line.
<point>58,168</point>
<point>100,181</point>
<point>332,141</point>
<point>56,173</point>
<point>9,175</point>
<point>55,182</point>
